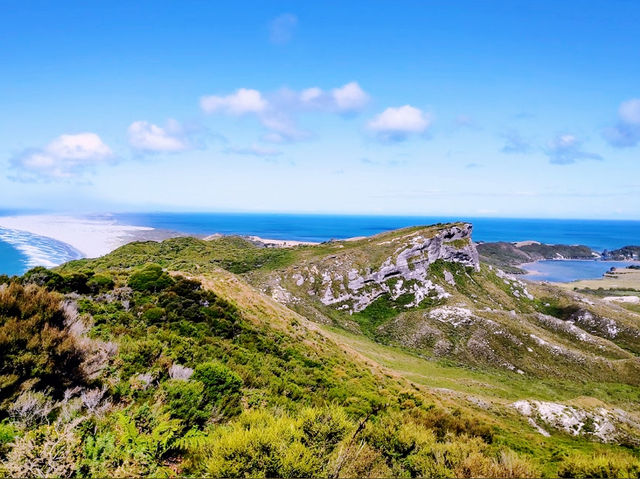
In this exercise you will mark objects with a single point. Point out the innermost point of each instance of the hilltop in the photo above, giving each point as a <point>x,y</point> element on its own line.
<point>398,354</point>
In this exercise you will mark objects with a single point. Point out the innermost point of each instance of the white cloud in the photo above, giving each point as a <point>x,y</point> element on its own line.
<point>566,149</point>
<point>282,28</point>
<point>79,147</point>
<point>241,102</point>
<point>278,111</point>
<point>626,132</point>
<point>66,157</point>
<point>400,122</point>
<point>350,97</point>
<point>145,136</point>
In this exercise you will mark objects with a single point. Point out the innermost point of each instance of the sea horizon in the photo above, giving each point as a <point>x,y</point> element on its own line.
<point>24,247</point>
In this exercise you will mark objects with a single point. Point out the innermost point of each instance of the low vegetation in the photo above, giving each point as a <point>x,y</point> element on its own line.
<point>153,361</point>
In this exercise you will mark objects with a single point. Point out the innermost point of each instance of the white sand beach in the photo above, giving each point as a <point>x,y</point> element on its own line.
<point>280,243</point>
<point>92,237</point>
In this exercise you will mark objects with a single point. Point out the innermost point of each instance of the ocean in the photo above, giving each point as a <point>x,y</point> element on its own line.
<point>20,251</point>
<point>597,234</point>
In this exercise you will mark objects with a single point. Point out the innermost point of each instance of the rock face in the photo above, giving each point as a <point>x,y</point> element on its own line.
<point>344,283</point>
<point>601,424</point>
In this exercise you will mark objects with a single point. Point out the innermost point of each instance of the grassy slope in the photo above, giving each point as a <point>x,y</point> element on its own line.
<point>508,328</point>
<point>449,383</point>
<point>499,385</point>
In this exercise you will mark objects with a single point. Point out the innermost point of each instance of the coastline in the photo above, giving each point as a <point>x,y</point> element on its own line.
<point>50,240</point>
<point>88,236</point>
<point>277,243</point>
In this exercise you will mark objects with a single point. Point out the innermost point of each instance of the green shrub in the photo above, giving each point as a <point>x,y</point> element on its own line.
<point>323,429</point>
<point>139,356</point>
<point>154,315</point>
<point>150,278</point>
<point>221,385</point>
<point>35,343</point>
<point>8,433</point>
<point>184,401</point>
<point>43,277</point>
<point>100,283</point>
<point>606,465</point>
<point>261,444</point>
<point>131,443</point>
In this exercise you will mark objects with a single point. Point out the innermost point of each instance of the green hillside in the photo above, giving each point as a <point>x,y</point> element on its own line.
<point>395,355</point>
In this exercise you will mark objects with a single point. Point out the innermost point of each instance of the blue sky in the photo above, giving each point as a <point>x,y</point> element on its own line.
<point>514,108</point>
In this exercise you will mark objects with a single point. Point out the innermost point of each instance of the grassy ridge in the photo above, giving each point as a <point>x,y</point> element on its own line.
<point>186,368</point>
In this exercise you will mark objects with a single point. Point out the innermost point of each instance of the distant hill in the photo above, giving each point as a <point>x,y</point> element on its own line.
<point>627,253</point>
<point>510,255</point>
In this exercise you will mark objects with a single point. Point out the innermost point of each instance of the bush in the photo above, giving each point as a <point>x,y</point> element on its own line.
<point>221,385</point>
<point>324,428</point>
<point>154,315</point>
<point>607,465</point>
<point>150,278</point>
<point>43,277</point>
<point>132,443</point>
<point>35,344</point>
<point>8,433</point>
<point>185,402</point>
<point>100,284</point>
<point>49,451</point>
<point>262,445</point>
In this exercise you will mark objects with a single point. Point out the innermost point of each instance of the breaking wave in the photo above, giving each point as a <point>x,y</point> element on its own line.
<point>39,250</point>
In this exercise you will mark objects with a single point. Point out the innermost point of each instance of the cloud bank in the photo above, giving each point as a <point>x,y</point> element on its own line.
<point>278,111</point>
<point>64,158</point>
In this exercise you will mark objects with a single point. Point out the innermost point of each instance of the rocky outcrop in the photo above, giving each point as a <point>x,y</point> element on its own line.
<point>343,282</point>
<point>600,424</point>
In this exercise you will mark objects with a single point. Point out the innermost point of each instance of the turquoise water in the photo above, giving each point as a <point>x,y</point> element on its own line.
<point>12,261</point>
<point>19,251</point>
<point>570,270</point>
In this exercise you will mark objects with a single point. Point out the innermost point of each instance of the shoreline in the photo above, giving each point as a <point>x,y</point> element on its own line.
<point>63,237</point>
<point>88,236</point>
<point>50,240</point>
